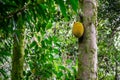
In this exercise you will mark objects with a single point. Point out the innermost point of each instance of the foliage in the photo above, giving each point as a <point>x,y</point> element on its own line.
<point>44,49</point>
<point>108,30</point>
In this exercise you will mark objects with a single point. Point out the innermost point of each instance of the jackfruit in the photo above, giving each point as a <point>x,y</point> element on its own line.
<point>78,29</point>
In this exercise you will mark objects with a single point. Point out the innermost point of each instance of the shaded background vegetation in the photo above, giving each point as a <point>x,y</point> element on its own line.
<point>108,40</point>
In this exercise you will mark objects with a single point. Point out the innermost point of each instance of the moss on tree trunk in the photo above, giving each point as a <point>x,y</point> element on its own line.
<point>18,51</point>
<point>87,59</point>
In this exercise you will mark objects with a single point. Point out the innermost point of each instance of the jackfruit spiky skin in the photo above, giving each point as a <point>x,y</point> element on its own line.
<point>78,29</point>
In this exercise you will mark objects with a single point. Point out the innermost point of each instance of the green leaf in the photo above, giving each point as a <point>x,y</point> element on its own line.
<point>49,25</point>
<point>62,7</point>
<point>68,61</point>
<point>60,74</point>
<point>32,44</point>
<point>74,4</point>
<point>3,73</point>
<point>5,53</point>
<point>55,50</point>
<point>62,67</point>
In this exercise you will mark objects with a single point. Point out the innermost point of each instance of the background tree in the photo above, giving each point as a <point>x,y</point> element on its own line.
<point>18,50</point>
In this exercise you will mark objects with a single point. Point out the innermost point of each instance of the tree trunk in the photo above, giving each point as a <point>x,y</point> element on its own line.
<point>87,58</point>
<point>18,51</point>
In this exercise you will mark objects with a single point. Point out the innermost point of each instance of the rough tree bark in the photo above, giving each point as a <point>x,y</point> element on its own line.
<point>18,51</point>
<point>87,58</point>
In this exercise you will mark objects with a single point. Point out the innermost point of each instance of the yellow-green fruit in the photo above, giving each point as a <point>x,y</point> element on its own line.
<point>78,29</point>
